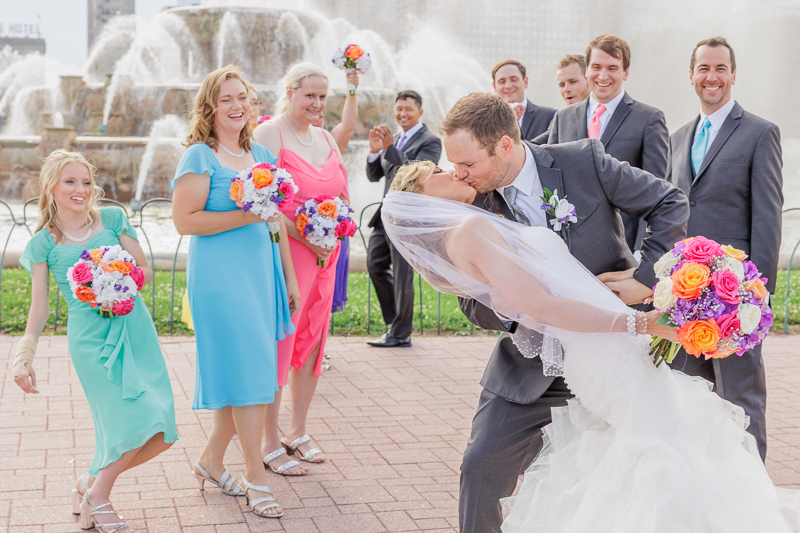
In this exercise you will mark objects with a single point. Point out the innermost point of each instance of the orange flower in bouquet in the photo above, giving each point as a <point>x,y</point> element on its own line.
<point>690,280</point>
<point>699,336</point>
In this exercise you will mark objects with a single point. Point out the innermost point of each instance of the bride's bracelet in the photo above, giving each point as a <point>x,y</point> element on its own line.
<point>637,323</point>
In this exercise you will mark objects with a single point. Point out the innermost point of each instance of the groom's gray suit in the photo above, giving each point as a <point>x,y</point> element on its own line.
<point>735,199</point>
<point>517,397</point>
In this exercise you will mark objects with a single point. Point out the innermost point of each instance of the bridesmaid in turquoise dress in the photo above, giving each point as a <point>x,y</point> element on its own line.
<point>237,282</point>
<point>118,360</point>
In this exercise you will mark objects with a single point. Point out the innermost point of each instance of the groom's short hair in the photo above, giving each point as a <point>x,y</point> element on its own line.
<point>487,116</point>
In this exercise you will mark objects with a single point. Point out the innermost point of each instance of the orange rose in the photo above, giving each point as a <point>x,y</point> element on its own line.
<point>756,286</point>
<point>730,251</point>
<point>236,192</point>
<point>121,266</point>
<point>301,222</point>
<point>699,336</point>
<point>85,294</point>
<point>354,52</point>
<point>96,256</point>
<point>327,209</point>
<point>262,177</point>
<point>690,280</point>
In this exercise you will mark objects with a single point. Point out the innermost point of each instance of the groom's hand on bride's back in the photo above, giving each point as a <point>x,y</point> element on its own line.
<point>626,287</point>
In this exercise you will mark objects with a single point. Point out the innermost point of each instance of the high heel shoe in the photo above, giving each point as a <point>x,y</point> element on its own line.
<point>226,483</point>
<point>88,513</point>
<point>255,503</point>
<point>77,495</point>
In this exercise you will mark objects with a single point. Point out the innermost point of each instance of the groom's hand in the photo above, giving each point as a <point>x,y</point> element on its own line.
<point>626,287</point>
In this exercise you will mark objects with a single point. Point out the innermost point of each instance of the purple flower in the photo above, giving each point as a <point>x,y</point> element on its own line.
<point>325,231</point>
<point>246,207</point>
<point>678,250</point>
<point>85,255</point>
<point>750,270</point>
<point>312,211</point>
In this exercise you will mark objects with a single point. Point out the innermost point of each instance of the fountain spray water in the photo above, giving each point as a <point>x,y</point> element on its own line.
<point>165,140</point>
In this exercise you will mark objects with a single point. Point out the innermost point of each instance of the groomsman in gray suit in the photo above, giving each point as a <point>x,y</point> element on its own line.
<point>481,139</point>
<point>629,130</point>
<point>509,81</point>
<point>728,162</point>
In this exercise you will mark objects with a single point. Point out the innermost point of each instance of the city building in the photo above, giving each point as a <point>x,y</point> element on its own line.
<point>101,11</point>
<point>23,45</point>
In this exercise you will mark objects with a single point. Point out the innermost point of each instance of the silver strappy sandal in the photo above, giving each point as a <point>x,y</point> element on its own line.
<point>296,443</point>
<point>255,504</point>
<point>285,466</point>
<point>88,513</point>
<point>77,495</point>
<point>226,482</point>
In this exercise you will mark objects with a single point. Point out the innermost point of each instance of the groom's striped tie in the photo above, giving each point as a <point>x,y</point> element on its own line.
<point>510,194</point>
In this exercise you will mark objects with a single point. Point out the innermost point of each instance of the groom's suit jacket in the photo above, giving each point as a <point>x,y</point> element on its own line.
<point>599,186</point>
<point>635,133</point>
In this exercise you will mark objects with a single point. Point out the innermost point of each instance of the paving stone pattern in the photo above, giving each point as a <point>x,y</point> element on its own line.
<point>392,422</point>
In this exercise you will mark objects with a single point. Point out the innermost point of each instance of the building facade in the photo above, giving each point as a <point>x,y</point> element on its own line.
<point>101,11</point>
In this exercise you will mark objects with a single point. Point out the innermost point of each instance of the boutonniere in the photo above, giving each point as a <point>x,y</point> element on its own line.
<point>560,209</point>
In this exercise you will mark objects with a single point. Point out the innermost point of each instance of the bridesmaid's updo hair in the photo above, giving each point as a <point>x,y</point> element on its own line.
<point>48,179</point>
<point>293,80</point>
<point>204,109</point>
<point>407,177</point>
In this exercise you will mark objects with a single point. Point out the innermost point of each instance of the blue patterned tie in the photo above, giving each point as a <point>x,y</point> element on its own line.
<point>401,142</point>
<point>510,194</point>
<point>700,145</point>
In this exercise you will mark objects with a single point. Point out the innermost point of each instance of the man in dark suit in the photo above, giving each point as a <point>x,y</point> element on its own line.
<point>728,162</point>
<point>481,140</point>
<point>509,81</point>
<point>389,272</point>
<point>629,130</point>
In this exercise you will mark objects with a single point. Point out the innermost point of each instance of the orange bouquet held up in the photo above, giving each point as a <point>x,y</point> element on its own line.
<point>351,58</point>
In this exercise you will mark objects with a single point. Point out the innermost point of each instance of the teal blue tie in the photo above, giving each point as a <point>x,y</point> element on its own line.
<point>700,145</point>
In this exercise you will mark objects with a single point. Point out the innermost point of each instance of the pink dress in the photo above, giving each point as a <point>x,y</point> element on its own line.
<point>316,284</point>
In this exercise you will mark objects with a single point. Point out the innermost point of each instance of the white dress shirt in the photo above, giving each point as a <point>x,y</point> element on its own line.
<point>408,134</point>
<point>717,118</point>
<point>524,108</point>
<point>530,191</point>
<point>606,116</point>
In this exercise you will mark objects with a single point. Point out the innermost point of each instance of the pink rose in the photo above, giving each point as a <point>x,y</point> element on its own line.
<point>82,273</point>
<point>123,308</point>
<point>322,197</point>
<point>729,324</point>
<point>287,190</point>
<point>726,283</point>
<point>346,228</point>
<point>138,278</point>
<point>701,250</point>
<point>261,165</point>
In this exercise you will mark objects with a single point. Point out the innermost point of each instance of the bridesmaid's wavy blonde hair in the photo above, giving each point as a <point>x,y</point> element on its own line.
<point>407,177</point>
<point>48,179</point>
<point>204,109</point>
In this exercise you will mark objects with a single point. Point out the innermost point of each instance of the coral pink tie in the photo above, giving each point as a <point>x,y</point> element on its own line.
<point>594,124</point>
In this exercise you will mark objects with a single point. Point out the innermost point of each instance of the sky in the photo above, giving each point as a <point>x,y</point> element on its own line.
<point>62,23</point>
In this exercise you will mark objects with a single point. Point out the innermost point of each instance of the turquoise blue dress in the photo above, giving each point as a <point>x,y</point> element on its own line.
<point>237,297</point>
<point>118,360</point>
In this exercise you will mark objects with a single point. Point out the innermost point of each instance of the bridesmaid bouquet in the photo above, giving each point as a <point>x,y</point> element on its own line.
<point>351,58</point>
<point>106,278</point>
<point>323,220</point>
<point>716,299</point>
<point>262,189</point>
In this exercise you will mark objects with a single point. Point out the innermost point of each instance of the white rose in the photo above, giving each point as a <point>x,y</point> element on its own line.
<point>564,208</point>
<point>749,317</point>
<point>663,267</point>
<point>734,265</point>
<point>663,297</point>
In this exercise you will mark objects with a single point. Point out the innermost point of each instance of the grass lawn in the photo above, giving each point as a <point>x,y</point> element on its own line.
<point>351,321</point>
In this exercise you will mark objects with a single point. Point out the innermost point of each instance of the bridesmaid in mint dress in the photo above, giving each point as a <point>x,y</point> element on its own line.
<point>118,360</point>
<point>237,282</point>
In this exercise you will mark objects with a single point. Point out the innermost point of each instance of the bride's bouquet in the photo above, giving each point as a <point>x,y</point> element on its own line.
<point>262,189</point>
<point>107,279</point>
<point>323,220</point>
<point>716,299</point>
<point>351,58</point>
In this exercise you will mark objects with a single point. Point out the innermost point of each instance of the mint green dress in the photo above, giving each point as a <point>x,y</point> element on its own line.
<point>118,360</point>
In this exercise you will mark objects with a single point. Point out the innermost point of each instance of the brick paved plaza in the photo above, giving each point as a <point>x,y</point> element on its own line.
<point>393,424</point>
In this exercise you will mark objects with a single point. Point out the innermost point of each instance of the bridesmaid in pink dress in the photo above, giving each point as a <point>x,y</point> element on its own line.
<point>311,155</point>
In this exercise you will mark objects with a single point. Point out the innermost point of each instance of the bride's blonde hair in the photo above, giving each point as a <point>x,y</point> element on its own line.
<point>48,179</point>
<point>406,179</point>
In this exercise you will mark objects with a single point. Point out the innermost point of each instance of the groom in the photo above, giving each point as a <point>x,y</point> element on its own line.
<point>482,140</point>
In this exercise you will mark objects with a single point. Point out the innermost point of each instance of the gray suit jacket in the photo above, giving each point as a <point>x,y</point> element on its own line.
<point>536,120</point>
<point>422,146</point>
<point>636,133</point>
<point>736,197</point>
<point>598,185</point>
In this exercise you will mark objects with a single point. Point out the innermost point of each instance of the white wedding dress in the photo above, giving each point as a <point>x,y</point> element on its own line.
<point>640,449</point>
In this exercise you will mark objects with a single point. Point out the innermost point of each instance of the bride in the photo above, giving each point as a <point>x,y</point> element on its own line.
<point>640,448</point>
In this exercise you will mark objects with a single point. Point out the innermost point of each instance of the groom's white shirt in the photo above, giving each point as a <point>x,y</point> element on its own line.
<point>530,192</point>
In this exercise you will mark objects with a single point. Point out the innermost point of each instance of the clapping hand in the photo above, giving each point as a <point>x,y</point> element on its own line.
<point>386,135</point>
<point>375,142</point>
<point>626,287</point>
<point>518,109</point>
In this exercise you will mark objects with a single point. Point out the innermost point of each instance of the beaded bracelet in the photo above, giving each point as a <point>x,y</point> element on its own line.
<point>636,322</point>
